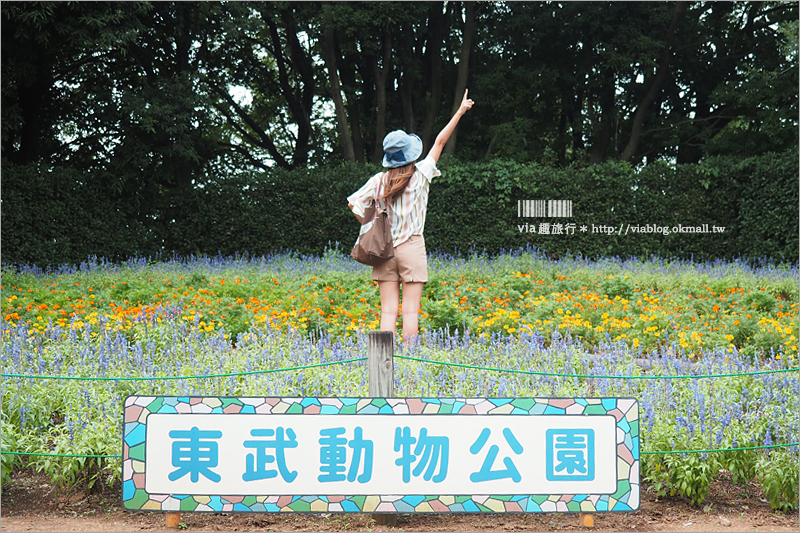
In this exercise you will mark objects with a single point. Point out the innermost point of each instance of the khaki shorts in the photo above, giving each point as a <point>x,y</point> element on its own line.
<point>409,264</point>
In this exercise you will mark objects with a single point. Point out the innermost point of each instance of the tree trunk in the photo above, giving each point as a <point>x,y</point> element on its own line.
<point>576,114</point>
<point>329,49</point>
<point>661,74</point>
<point>381,77</point>
<point>299,98</point>
<point>349,82</point>
<point>561,139</point>
<point>32,99</point>
<point>691,150</point>
<point>602,138</point>
<point>436,28</point>
<point>407,101</point>
<point>463,69</point>
<point>302,63</point>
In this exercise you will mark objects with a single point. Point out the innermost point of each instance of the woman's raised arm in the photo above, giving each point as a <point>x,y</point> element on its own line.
<point>444,135</point>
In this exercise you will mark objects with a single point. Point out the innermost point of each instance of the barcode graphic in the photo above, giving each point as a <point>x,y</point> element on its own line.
<point>544,208</point>
<point>559,208</point>
<point>531,208</point>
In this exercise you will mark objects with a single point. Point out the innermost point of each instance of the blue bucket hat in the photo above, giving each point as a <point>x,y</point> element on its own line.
<point>400,149</point>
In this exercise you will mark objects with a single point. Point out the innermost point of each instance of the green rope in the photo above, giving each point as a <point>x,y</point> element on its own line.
<point>642,453</point>
<point>409,358</point>
<point>724,449</point>
<point>565,375</point>
<point>201,376</point>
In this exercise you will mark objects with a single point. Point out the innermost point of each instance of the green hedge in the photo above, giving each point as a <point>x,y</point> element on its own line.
<point>64,216</point>
<point>52,217</point>
<point>302,210</point>
<point>756,200</point>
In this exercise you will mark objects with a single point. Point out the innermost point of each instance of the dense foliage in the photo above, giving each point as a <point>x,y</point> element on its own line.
<point>52,217</point>
<point>515,312</point>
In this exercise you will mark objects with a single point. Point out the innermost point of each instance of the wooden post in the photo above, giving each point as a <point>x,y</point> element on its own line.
<point>173,520</point>
<point>380,352</point>
<point>586,519</point>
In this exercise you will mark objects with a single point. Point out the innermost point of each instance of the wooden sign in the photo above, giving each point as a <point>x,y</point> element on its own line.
<point>374,455</point>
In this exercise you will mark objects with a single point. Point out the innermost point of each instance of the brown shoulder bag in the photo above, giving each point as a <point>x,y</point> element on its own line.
<point>374,245</point>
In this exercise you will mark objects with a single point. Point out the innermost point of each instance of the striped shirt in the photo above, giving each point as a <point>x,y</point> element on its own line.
<point>409,208</point>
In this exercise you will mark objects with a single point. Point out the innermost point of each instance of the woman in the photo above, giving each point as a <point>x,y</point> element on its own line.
<point>405,186</point>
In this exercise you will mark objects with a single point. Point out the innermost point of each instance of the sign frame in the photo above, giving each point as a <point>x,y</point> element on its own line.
<point>625,411</point>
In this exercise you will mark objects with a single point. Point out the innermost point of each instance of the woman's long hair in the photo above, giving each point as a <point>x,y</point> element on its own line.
<point>397,180</point>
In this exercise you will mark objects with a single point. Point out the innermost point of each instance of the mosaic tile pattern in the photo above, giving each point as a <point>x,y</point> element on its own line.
<point>624,410</point>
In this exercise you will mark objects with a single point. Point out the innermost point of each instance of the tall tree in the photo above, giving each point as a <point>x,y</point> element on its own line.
<point>329,54</point>
<point>265,49</point>
<point>662,68</point>
<point>381,66</point>
<point>389,61</point>
<point>166,140</point>
<point>56,93</point>
<point>463,68</point>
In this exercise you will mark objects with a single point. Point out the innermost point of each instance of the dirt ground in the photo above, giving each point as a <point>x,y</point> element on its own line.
<point>30,503</point>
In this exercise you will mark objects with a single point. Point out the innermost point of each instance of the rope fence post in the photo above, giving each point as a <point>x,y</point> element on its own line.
<point>380,359</point>
<point>173,520</point>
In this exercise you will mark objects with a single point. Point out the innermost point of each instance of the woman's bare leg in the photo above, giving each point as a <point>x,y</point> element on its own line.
<point>412,294</point>
<point>390,303</point>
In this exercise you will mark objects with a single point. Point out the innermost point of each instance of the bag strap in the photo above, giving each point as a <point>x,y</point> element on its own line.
<point>382,185</point>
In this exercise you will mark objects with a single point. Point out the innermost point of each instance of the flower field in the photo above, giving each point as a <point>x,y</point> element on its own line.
<point>644,305</point>
<point>513,325</point>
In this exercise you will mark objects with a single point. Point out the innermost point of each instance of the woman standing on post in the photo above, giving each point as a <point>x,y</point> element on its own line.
<point>405,186</point>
